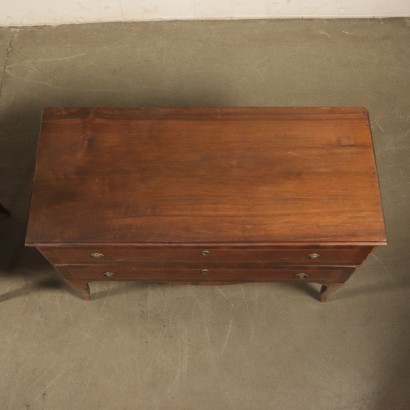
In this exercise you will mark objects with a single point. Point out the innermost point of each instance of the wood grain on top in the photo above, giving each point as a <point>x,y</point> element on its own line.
<point>205,175</point>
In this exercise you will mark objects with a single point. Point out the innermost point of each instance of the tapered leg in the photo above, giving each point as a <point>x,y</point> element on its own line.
<point>329,288</point>
<point>81,287</point>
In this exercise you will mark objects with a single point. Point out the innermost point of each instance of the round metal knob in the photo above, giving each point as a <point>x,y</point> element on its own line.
<point>97,255</point>
<point>204,271</point>
<point>313,256</point>
<point>205,252</point>
<point>108,274</point>
<point>301,275</point>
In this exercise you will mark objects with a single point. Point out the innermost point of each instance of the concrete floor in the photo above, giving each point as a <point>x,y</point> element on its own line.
<point>257,346</point>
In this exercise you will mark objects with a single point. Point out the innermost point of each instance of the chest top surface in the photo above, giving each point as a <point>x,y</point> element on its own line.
<point>205,176</point>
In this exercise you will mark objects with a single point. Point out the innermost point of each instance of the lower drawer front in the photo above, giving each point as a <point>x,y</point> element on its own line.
<point>306,273</point>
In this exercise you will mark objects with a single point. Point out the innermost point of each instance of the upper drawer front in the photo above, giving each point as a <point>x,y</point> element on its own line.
<point>310,256</point>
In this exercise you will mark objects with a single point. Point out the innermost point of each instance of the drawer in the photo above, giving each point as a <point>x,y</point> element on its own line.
<point>116,272</point>
<point>280,255</point>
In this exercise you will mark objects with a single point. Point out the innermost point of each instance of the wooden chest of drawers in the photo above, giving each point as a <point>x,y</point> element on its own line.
<point>205,195</point>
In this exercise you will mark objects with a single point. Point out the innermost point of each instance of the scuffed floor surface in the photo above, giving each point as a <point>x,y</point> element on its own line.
<point>257,346</point>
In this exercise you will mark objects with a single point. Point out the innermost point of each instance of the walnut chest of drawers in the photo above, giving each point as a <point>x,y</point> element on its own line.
<point>205,195</point>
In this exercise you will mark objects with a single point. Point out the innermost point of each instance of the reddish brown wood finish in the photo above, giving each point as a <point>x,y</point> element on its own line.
<point>259,188</point>
<point>200,255</point>
<point>78,285</point>
<point>201,274</point>
<point>205,175</point>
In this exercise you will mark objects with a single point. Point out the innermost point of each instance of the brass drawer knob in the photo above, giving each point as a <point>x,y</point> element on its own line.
<point>204,271</point>
<point>97,255</point>
<point>108,274</point>
<point>313,256</point>
<point>205,252</point>
<point>301,275</point>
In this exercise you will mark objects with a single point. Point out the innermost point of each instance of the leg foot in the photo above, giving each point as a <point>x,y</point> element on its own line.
<point>81,287</point>
<point>327,289</point>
